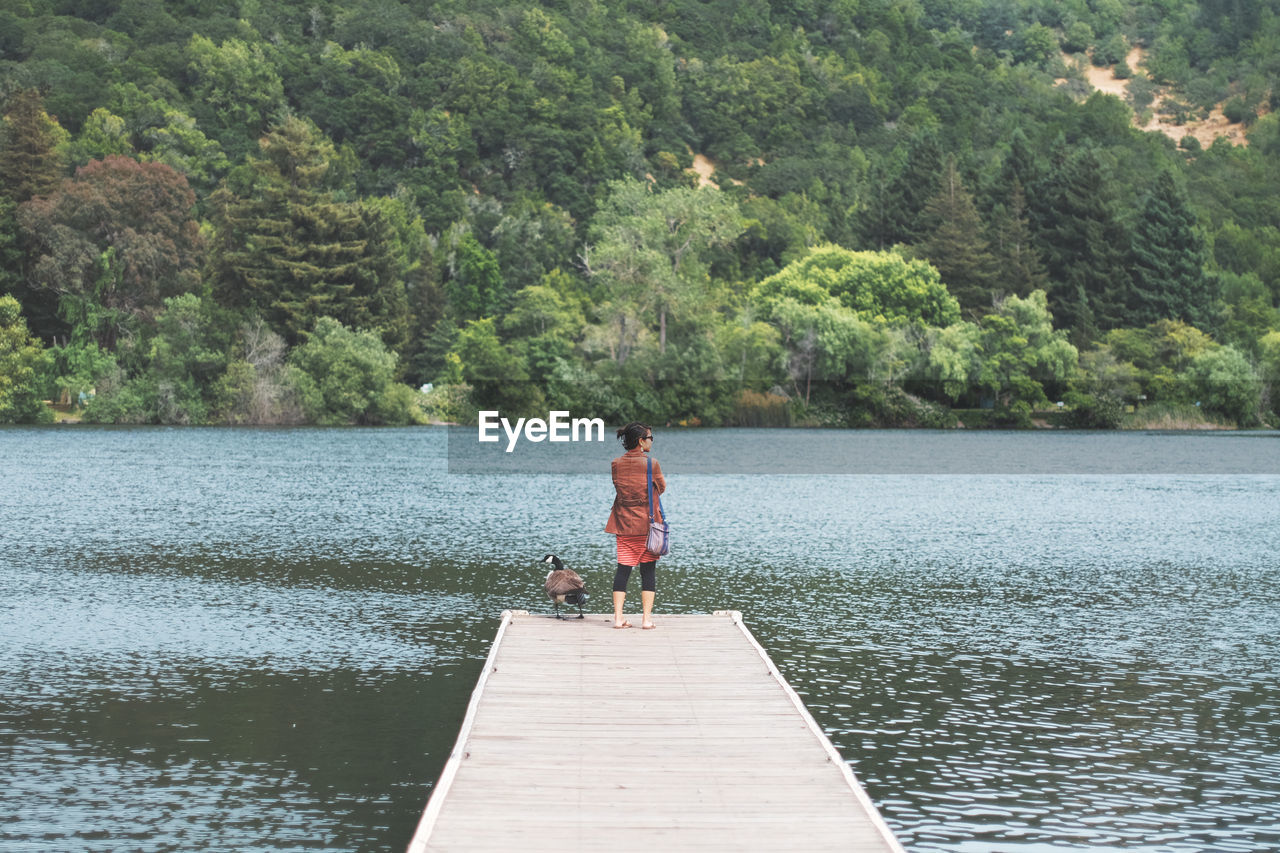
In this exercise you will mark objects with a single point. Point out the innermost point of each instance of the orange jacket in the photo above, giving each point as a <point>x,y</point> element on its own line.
<point>630,513</point>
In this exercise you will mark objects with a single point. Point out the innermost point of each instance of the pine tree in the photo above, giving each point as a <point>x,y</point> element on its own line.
<point>1021,164</point>
<point>31,163</point>
<point>1021,267</point>
<point>290,248</point>
<point>913,186</point>
<point>1168,254</point>
<point>1085,244</point>
<point>957,245</point>
<point>874,223</point>
<point>899,190</point>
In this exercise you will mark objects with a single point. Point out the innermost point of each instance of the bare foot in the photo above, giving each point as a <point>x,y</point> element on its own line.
<point>649,627</point>
<point>623,624</point>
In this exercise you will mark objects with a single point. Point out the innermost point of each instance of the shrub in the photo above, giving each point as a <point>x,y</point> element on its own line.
<point>23,363</point>
<point>1226,384</point>
<point>753,409</point>
<point>448,404</point>
<point>349,372</point>
<point>884,406</point>
<point>397,405</point>
<point>1093,411</point>
<point>1237,111</point>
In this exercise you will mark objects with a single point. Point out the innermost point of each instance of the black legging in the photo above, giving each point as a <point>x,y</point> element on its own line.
<point>648,577</point>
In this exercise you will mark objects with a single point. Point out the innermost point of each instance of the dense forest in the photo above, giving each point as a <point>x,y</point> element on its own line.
<point>828,212</point>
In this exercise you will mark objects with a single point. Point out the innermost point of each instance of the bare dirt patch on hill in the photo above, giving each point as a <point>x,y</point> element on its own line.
<point>1204,130</point>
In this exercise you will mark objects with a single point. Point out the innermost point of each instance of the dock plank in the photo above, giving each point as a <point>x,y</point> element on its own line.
<point>687,737</point>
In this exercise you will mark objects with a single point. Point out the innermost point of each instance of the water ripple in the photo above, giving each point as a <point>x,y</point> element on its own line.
<point>265,640</point>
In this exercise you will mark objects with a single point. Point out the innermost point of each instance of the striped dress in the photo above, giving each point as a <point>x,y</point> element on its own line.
<point>632,550</point>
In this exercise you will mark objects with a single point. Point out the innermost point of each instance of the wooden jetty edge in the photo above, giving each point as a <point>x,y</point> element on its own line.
<point>687,737</point>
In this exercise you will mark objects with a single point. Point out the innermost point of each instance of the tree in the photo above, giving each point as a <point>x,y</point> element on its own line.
<point>474,286</point>
<point>499,378</point>
<point>1077,216</point>
<point>102,135</point>
<point>113,242</point>
<point>1223,381</point>
<point>752,351</point>
<point>31,160</point>
<point>31,164</point>
<point>1036,44</point>
<point>166,134</point>
<point>541,310</point>
<point>1169,281</point>
<point>1016,254</point>
<point>1269,369</point>
<point>286,246</point>
<point>953,357</point>
<point>186,355</point>
<point>351,375</point>
<point>901,191</point>
<point>236,89</point>
<point>1162,352</point>
<point>23,363</point>
<point>1021,351</point>
<point>258,387</point>
<point>651,248</point>
<point>880,286</point>
<point>956,244</point>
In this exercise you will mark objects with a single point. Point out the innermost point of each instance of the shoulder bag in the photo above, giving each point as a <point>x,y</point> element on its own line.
<point>659,541</point>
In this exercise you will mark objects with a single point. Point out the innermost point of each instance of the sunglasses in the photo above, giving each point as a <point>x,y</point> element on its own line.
<point>647,438</point>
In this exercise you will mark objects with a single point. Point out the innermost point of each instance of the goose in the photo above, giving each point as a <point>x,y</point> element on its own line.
<point>564,585</point>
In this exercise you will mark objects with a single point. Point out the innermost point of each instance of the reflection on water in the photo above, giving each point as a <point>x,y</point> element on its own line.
<point>265,640</point>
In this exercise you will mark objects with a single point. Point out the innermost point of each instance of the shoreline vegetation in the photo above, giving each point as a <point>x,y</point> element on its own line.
<point>876,214</point>
<point>1157,417</point>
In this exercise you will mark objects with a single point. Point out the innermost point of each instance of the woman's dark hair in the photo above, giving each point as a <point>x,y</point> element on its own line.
<point>631,434</point>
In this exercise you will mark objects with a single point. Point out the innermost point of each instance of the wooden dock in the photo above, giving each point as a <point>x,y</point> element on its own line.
<point>582,737</point>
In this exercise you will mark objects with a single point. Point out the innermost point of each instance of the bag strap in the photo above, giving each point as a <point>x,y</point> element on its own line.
<point>649,474</point>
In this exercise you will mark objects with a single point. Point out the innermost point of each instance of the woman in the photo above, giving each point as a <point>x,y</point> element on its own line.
<point>629,520</point>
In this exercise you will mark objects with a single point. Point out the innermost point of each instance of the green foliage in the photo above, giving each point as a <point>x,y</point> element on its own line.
<point>956,244</point>
<point>1077,213</point>
<point>882,405</point>
<point>1169,280</point>
<point>120,237</point>
<point>879,286</point>
<point>186,356</point>
<point>498,377</point>
<point>953,358</point>
<point>450,404</point>
<point>23,363</point>
<point>1269,371</point>
<point>235,89</point>
<point>1161,354</point>
<point>31,158</point>
<point>410,172</point>
<point>474,287</point>
<point>1022,353</point>
<point>288,247</point>
<point>1093,411</point>
<point>258,387</point>
<point>1224,382</point>
<point>78,368</point>
<point>351,378</point>
<point>650,249</point>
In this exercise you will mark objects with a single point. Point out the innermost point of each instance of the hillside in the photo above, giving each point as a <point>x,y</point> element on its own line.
<point>625,207</point>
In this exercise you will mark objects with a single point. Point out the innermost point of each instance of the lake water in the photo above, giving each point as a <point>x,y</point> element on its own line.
<point>264,640</point>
